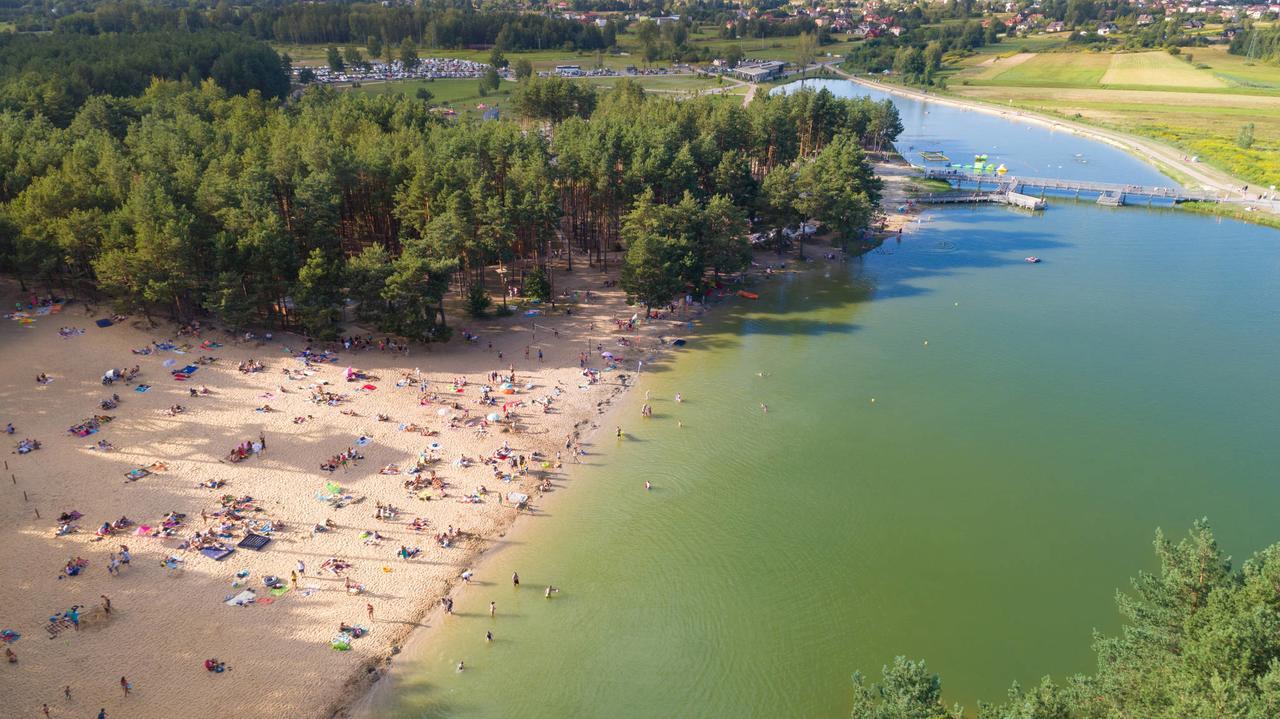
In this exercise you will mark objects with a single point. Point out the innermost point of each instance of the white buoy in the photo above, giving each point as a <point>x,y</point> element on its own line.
<point>873,400</point>
<point>926,343</point>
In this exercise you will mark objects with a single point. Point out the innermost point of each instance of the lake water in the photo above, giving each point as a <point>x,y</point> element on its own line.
<point>980,513</point>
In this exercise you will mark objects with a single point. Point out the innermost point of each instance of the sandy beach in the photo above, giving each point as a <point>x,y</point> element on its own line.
<point>165,621</point>
<point>175,477</point>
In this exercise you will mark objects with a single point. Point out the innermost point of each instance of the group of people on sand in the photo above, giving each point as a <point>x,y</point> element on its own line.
<point>114,375</point>
<point>342,459</point>
<point>247,448</point>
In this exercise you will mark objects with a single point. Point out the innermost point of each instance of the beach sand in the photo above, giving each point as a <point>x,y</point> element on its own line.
<point>164,623</point>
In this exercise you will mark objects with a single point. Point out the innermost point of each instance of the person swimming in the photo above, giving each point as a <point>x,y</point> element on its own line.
<point>679,397</point>
<point>647,485</point>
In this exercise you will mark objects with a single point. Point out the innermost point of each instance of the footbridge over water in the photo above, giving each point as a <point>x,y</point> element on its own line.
<point>1107,193</point>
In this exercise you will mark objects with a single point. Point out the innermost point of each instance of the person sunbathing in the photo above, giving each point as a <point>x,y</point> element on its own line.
<point>42,378</point>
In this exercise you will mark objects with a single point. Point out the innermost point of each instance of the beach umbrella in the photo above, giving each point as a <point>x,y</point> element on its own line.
<point>494,416</point>
<point>442,412</point>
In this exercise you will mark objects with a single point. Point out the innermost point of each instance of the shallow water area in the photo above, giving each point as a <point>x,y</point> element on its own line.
<point>964,456</point>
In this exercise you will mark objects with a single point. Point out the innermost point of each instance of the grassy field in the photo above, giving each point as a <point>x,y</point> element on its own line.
<point>460,95</point>
<point>1198,101</point>
<point>1046,70</point>
<point>1156,69</point>
<point>678,84</point>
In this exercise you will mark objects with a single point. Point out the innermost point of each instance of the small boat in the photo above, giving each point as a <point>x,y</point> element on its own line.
<point>748,295</point>
<point>1031,260</point>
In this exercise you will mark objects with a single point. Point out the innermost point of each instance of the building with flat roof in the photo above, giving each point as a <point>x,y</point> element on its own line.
<point>759,71</point>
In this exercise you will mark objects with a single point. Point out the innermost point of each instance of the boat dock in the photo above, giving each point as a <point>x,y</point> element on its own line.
<point>1002,197</point>
<point>1108,193</point>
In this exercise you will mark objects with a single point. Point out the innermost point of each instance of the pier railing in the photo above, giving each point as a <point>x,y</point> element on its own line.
<point>1107,189</point>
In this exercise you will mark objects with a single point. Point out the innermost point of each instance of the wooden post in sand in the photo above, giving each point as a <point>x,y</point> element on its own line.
<point>24,496</point>
<point>37,512</point>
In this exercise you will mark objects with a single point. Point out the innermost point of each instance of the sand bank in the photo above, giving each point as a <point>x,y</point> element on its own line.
<point>166,621</point>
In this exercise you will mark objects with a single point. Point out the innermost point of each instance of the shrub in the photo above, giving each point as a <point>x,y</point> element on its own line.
<point>478,301</point>
<point>536,285</point>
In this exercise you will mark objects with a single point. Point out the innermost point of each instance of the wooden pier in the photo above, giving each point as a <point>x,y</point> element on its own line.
<point>1108,193</point>
<point>1002,197</point>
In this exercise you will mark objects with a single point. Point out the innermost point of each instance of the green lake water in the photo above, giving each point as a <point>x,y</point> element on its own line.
<point>980,513</point>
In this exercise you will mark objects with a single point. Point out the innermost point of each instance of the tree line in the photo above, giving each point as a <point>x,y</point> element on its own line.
<point>1258,43</point>
<point>1201,639</point>
<point>53,75</point>
<point>192,201</point>
<point>434,25</point>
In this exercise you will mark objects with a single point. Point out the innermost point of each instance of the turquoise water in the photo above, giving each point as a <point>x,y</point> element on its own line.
<point>980,513</point>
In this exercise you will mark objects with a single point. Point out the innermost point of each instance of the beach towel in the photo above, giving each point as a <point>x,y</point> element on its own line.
<point>142,388</point>
<point>280,591</point>
<point>241,599</point>
<point>104,323</point>
<point>179,377</point>
<point>9,636</point>
<point>189,370</point>
<point>369,387</point>
<point>254,541</point>
<point>169,362</point>
<point>216,554</point>
<point>362,441</point>
<point>136,474</point>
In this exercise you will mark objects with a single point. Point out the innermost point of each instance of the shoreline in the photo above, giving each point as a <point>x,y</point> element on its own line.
<point>377,686</point>
<point>1164,159</point>
<point>177,614</point>
<point>165,622</point>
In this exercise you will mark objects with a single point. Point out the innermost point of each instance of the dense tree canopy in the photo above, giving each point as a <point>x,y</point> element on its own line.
<point>437,25</point>
<point>191,200</point>
<point>1201,639</point>
<point>53,75</point>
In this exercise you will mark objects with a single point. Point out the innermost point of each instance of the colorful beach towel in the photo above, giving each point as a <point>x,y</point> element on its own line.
<point>142,388</point>
<point>280,591</point>
<point>216,554</point>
